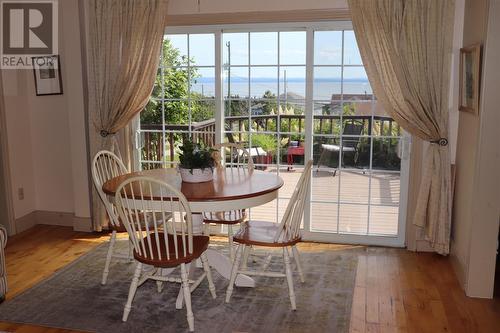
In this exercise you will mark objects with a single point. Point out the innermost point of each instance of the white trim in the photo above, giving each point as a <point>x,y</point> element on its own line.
<point>342,238</point>
<point>309,28</point>
<point>4,153</point>
<point>309,120</point>
<point>260,27</point>
<point>65,219</point>
<point>404,181</point>
<point>25,222</point>
<point>82,224</point>
<point>219,98</point>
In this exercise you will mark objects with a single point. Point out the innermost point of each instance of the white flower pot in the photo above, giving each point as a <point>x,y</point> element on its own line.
<point>197,175</point>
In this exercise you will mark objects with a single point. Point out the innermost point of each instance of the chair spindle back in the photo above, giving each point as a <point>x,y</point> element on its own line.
<point>107,165</point>
<point>140,200</point>
<point>290,223</point>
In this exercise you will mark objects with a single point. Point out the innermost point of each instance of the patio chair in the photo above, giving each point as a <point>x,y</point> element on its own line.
<point>349,144</point>
<point>230,155</point>
<point>170,245</point>
<point>254,152</point>
<point>284,235</point>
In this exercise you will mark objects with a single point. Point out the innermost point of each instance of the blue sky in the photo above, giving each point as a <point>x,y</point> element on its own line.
<point>262,48</point>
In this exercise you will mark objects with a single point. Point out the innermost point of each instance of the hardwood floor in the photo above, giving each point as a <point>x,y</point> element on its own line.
<point>396,290</point>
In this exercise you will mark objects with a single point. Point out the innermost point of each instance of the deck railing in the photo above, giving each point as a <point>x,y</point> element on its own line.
<point>204,131</point>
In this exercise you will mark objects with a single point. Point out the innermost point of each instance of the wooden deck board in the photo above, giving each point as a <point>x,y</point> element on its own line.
<point>355,187</point>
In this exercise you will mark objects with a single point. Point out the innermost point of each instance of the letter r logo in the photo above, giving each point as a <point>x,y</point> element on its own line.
<point>27,27</point>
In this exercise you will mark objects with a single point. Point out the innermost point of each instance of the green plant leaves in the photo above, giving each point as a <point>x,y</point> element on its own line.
<point>195,156</point>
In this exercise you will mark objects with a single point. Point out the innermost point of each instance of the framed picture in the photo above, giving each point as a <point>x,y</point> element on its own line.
<point>47,73</point>
<point>470,64</point>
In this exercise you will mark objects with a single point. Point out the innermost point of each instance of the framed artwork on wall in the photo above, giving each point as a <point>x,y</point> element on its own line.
<point>47,73</point>
<point>470,71</point>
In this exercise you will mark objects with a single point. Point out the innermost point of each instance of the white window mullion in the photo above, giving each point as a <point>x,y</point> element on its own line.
<point>309,119</point>
<point>277,136</point>
<point>370,173</point>
<point>249,102</point>
<point>163,130</point>
<point>189,86</point>
<point>219,99</point>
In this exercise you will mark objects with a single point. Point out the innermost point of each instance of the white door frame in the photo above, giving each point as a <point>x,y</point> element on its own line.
<point>380,240</point>
<point>6,191</point>
<point>309,27</point>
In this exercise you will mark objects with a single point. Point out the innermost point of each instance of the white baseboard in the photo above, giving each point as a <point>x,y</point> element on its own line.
<point>459,269</point>
<point>25,222</point>
<point>53,218</point>
<point>82,224</point>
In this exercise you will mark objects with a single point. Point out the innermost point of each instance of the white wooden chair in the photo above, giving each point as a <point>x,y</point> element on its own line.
<point>285,235</point>
<point>107,165</point>
<point>164,245</point>
<point>236,157</point>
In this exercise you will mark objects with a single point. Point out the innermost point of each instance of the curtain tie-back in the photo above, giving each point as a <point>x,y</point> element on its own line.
<point>441,141</point>
<point>105,133</point>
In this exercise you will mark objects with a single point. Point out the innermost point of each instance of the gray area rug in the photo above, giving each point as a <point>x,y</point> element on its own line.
<point>73,298</point>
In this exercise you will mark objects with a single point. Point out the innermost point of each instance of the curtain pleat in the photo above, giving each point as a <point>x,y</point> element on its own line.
<point>406,49</point>
<point>123,53</point>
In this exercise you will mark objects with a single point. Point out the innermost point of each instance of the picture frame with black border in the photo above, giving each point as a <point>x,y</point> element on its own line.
<point>47,75</point>
<point>470,78</point>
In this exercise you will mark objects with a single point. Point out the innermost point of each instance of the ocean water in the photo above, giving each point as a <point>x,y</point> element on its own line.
<point>322,89</point>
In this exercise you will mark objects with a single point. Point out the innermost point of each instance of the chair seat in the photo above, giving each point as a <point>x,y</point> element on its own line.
<point>228,217</point>
<point>200,244</point>
<point>336,148</point>
<point>262,233</point>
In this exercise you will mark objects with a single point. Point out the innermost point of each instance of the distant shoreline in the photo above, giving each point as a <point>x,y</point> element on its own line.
<point>270,79</point>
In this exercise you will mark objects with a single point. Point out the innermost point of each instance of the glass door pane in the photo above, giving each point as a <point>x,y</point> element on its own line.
<point>264,93</point>
<point>356,177</point>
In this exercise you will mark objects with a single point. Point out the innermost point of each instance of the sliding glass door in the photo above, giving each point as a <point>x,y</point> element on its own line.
<point>287,93</point>
<point>264,102</point>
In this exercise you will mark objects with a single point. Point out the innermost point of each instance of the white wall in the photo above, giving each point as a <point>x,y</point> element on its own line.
<point>46,134</point>
<point>476,206</point>
<point>474,32</point>
<point>50,146</point>
<point>18,122</point>
<point>181,7</point>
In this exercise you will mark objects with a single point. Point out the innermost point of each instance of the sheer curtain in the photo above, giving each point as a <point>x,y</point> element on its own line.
<point>123,51</point>
<point>406,49</point>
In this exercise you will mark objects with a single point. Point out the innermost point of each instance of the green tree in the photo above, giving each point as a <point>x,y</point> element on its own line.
<point>172,86</point>
<point>270,105</point>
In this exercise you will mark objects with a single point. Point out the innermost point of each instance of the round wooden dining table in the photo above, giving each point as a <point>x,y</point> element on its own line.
<point>231,189</point>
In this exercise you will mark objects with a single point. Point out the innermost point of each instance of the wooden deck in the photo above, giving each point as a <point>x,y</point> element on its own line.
<point>344,202</point>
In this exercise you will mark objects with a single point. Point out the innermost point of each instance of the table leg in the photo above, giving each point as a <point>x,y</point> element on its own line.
<point>223,265</point>
<point>220,262</point>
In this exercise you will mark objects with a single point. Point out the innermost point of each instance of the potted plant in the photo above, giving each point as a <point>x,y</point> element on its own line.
<point>196,162</point>
<point>268,144</point>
